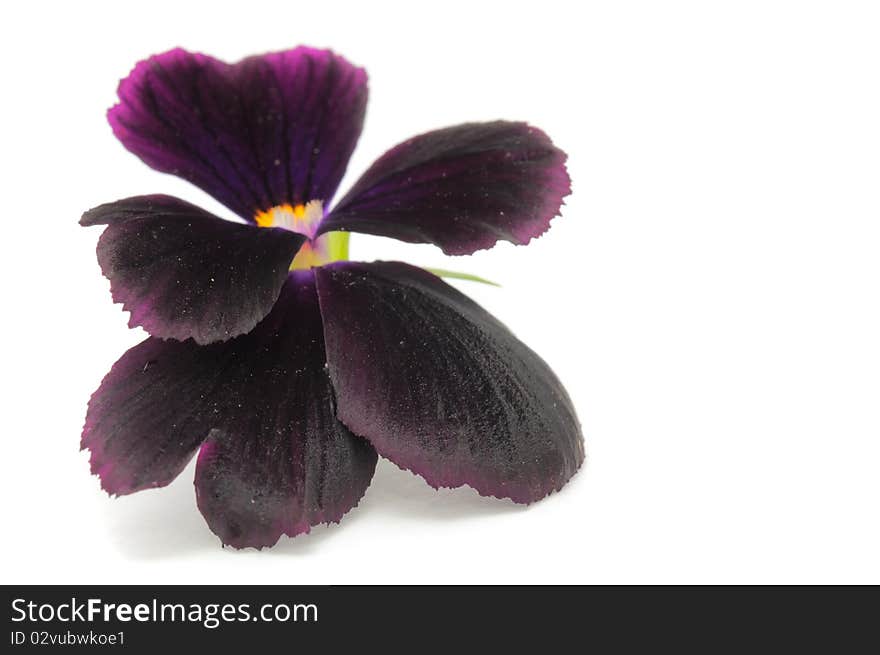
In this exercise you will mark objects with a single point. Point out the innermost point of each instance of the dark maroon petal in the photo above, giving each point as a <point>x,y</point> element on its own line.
<point>276,460</point>
<point>440,387</point>
<point>151,412</point>
<point>183,272</point>
<point>284,462</point>
<point>462,188</point>
<point>269,130</point>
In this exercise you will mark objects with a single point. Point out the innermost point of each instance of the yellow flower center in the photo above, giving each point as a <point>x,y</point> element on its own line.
<point>304,219</point>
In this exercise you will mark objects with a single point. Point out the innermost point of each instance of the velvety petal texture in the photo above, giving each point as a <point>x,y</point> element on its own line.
<point>152,411</point>
<point>182,272</point>
<point>462,188</point>
<point>442,388</point>
<point>275,459</point>
<point>269,130</point>
<point>284,462</point>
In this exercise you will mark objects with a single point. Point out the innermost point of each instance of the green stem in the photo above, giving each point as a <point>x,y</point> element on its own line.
<point>442,272</point>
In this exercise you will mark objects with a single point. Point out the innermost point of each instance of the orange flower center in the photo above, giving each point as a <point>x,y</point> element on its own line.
<point>304,219</point>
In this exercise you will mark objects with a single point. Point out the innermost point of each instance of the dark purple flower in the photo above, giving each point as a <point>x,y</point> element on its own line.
<point>287,367</point>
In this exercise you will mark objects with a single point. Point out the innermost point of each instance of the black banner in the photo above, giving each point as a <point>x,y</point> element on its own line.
<point>141,619</point>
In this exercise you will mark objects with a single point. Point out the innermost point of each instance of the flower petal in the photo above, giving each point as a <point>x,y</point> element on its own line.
<point>462,188</point>
<point>440,387</point>
<point>276,459</point>
<point>183,272</point>
<point>152,411</point>
<point>284,462</point>
<point>269,130</point>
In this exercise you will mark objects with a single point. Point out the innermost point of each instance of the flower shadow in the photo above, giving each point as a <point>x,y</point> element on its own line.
<point>159,523</point>
<point>166,523</point>
<point>400,497</point>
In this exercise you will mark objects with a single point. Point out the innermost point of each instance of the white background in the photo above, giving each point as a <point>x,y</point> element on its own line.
<point>709,296</point>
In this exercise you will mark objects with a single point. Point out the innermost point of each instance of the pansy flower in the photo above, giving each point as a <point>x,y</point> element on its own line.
<point>286,367</point>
